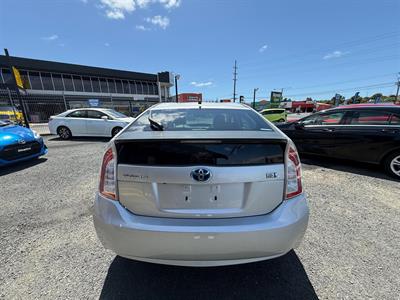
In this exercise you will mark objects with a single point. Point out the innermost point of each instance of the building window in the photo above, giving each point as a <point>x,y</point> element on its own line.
<point>95,84</point>
<point>58,83</point>
<point>7,76</point>
<point>156,90</point>
<point>69,86</point>
<point>111,85</point>
<point>103,85</point>
<point>118,85</point>
<point>87,85</point>
<point>139,87</point>
<point>47,82</point>
<point>77,83</point>
<point>126,86</point>
<point>132,87</point>
<point>25,79</point>
<point>36,83</point>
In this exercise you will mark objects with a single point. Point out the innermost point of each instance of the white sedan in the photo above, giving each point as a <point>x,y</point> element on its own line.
<point>88,122</point>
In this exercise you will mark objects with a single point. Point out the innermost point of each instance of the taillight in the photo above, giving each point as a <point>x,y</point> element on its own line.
<point>293,173</point>
<point>107,185</point>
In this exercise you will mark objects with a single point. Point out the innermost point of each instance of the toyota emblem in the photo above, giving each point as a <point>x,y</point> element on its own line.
<point>201,174</point>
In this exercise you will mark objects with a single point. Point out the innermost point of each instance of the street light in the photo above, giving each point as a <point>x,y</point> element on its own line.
<point>177,76</point>
<point>254,98</point>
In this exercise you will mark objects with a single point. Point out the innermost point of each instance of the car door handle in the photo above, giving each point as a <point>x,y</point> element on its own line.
<point>391,130</point>
<point>328,129</point>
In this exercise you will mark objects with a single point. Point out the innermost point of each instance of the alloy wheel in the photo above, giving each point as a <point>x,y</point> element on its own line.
<point>395,165</point>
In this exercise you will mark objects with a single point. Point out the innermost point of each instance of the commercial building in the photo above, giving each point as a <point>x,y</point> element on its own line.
<point>52,87</point>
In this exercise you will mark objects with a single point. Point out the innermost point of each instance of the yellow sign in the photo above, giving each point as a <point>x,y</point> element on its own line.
<point>18,78</point>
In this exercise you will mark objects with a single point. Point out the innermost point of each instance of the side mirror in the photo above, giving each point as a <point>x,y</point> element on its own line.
<point>104,118</point>
<point>298,125</point>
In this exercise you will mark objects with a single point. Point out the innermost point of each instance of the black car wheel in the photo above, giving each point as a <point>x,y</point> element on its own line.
<point>392,164</point>
<point>115,131</point>
<point>64,132</point>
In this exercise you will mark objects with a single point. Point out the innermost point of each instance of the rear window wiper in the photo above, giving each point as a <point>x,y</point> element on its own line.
<point>155,125</point>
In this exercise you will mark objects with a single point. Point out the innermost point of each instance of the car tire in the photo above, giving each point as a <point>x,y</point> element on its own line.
<point>64,133</point>
<point>115,131</point>
<point>392,164</point>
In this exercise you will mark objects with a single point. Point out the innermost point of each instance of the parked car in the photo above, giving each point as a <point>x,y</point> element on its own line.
<point>367,133</point>
<point>18,143</point>
<point>275,114</point>
<point>88,122</point>
<point>200,185</point>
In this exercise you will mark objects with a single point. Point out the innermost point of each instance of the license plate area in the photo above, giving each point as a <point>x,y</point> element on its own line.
<point>201,197</point>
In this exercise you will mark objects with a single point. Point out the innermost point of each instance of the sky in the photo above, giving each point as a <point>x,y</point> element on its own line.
<point>308,48</point>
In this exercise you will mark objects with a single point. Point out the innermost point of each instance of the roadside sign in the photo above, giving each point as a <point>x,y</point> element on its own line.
<point>18,78</point>
<point>94,102</point>
<point>276,97</point>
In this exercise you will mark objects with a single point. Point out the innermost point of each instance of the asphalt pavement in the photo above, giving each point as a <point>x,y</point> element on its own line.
<point>49,249</point>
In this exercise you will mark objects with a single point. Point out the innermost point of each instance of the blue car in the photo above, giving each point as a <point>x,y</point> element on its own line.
<point>19,143</point>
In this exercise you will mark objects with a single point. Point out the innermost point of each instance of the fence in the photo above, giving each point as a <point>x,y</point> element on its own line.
<point>40,107</point>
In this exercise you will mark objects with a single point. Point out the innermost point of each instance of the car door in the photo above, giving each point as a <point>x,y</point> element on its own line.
<point>76,122</point>
<point>368,134</point>
<point>96,125</point>
<point>317,134</point>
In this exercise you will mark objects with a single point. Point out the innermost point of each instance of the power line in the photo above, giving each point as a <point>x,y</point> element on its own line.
<point>386,84</point>
<point>366,87</point>
<point>354,63</point>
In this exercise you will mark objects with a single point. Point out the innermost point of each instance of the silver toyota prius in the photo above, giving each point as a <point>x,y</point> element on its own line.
<point>200,184</point>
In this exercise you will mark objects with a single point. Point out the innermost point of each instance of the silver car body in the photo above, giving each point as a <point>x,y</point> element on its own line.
<point>238,215</point>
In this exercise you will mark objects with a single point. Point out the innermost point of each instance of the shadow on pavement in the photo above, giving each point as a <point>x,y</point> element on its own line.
<point>21,166</point>
<point>280,278</point>
<point>349,166</point>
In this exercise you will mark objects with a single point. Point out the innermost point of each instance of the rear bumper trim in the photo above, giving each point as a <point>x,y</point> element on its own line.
<point>201,242</point>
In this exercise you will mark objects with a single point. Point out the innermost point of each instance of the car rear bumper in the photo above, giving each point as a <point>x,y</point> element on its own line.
<point>201,242</point>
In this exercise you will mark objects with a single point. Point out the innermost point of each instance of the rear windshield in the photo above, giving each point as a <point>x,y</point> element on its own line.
<point>210,153</point>
<point>201,119</point>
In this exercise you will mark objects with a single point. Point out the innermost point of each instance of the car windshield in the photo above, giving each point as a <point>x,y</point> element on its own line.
<point>115,114</point>
<point>201,119</point>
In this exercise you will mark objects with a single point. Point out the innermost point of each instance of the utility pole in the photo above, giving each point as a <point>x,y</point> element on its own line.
<point>398,87</point>
<point>254,98</point>
<point>176,86</point>
<point>234,81</point>
<point>11,67</point>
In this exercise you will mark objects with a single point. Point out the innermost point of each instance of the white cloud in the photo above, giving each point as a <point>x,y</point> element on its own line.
<point>143,3</point>
<point>263,48</point>
<point>52,37</point>
<point>142,28</point>
<point>201,84</point>
<point>158,20</point>
<point>335,54</point>
<point>116,9</point>
<point>170,3</point>
<point>107,44</point>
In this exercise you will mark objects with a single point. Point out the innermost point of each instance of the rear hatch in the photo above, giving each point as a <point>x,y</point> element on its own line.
<point>198,178</point>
